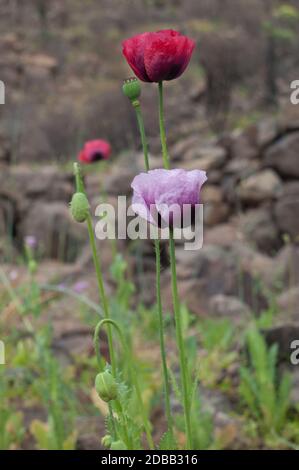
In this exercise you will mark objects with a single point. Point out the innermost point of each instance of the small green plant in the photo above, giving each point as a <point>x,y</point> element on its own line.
<point>266,395</point>
<point>217,339</point>
<point>56,393</point>
<point>11,422</point>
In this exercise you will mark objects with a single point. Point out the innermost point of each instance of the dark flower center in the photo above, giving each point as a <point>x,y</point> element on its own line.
<point>97,156</point>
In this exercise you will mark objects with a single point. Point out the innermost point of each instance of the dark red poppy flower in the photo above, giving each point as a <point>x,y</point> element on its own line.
<point>94,151</point>
<point>154,57</point>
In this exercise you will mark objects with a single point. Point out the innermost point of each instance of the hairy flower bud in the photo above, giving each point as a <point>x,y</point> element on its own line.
<point>132,89</point>
<point>79,207</point>
<point>106,386</point>
<point>118,445</point>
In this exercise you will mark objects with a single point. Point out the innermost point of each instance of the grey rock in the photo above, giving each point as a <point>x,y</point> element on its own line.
<point>287,210</point>
<point>207,158</point>
<point>226,306</point>
<point>57,234</point>
<point>261,186</point>
<point>286,266</point>
<point>288,303</point>
<point>282,335</point>
<point>259,228</point>
<point>283,155</point>
<point>216,210</point>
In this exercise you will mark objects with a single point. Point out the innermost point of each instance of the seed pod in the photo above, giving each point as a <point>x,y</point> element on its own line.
<point>79,207</point>
<point>118,445</point>
<point>132,89</point>
<point>106,386</point>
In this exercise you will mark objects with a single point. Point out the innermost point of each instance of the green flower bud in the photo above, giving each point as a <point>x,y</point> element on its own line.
<point>132,90</point>
<point>107,440</point>
<point>32,266</point>
<point>118,445</point>
<point>106,386</point>
<point>79,207</point>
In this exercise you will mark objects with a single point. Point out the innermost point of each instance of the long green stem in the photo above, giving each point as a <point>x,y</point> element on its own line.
<point>176,304</point>
<point>158,286</point>
<point>161,336</point>
<point>142,135</point>
<point>162,128</point>
<point>102,292</point>
<point>180,341</point>
<point>114,433</point>
<point>98,269</point>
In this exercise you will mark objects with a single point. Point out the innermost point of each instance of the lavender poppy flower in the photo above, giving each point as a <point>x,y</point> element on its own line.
<point>162,196</point>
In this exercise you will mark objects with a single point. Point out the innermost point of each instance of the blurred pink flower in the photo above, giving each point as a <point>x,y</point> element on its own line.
<point>13,275</point>
<point>94,151</point>
<point>80,286</point>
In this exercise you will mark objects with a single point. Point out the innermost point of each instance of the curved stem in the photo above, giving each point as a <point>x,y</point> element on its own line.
<point>97,265</point>
<point>132,371</point>
<point>162,128</point>
<point>180,341</point>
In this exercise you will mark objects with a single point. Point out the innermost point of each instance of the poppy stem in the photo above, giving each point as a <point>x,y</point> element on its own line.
<point>142,135</point>
<point>97,265</point>
<point>180,340</point>
<point>162,340</point>
<point>158,286</point>
<point>98,269</point>
<point>114,433</point>
<point>162,128</point>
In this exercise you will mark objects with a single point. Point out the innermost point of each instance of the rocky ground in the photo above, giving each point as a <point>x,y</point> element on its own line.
<point>250,257</point>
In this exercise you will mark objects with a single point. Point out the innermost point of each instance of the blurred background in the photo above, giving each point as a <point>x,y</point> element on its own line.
<point>229,114</point>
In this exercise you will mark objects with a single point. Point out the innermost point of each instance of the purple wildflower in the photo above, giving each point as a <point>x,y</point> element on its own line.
<point>30,241</point>
<point>80,286</point>
<point>13,275</point>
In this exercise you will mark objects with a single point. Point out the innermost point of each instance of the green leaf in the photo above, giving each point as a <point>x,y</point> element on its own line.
<point>40,432</point>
